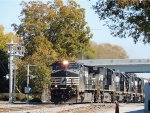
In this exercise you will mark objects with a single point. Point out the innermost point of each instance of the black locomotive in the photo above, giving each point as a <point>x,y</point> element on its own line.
<point>75,82</point>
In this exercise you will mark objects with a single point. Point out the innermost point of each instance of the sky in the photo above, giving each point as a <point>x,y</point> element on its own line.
<point>10,11</point>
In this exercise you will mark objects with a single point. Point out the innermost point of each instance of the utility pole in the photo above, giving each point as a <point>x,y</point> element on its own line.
<point>27,88</point>
<point>10,52</point>
<point>14,80</point>
<point>13,53</point>
<point>28,66</point>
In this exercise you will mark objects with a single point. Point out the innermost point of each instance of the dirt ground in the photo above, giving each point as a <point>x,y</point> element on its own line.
<point>51,108</point>
<point>74,108</point>
<point>89,109</point>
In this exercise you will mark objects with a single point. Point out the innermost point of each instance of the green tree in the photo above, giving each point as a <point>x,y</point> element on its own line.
<point>126,18</point>
<point>42,56</point>
<point>63,24</point>
<point>89,52</point>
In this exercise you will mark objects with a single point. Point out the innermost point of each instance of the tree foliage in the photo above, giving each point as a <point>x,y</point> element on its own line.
<point>4,39</point>
<point>42,56</point>
<point>105,51</point>
<point>108,51</point>
<point>63,24</point>
<point>89,52</point>
<point>126,18</point>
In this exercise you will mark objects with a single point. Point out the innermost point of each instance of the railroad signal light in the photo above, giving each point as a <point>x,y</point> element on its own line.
<point>7,76</point>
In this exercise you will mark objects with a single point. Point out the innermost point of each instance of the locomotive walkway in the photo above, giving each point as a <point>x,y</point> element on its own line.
<point>122,65</point>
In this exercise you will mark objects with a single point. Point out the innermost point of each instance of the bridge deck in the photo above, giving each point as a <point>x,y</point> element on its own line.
<point>101,62</point>
<point>123,65</point>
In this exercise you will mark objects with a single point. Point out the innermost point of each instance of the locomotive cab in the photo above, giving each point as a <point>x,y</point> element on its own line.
<point>65,74</point>
<point>64,80</point>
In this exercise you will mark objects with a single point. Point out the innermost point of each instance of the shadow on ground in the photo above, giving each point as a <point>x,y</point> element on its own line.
<point>137,111</point>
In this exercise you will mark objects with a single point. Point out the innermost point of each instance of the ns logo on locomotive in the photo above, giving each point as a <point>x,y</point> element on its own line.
<point>75,82</point>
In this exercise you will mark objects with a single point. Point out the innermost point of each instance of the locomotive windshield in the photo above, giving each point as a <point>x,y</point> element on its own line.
<point>61,66</point>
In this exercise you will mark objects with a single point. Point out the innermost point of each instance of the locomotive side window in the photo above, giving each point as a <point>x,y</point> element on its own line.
<point>73,66</point>
<point>60,66</point>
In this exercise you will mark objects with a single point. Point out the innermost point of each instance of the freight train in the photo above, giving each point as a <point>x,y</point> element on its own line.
<point>75,82</point>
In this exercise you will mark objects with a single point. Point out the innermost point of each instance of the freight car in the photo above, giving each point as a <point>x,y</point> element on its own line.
<point>75,82</point>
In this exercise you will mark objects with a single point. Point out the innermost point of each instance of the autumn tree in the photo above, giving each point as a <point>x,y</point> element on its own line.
<point>126,18</point>
<point>109,51</point>
<point>63,24</point>
<point>105,51</point>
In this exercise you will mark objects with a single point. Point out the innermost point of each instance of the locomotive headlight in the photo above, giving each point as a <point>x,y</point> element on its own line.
<point>65,62</point>
<point>117,79</point>
<point>56,86</point>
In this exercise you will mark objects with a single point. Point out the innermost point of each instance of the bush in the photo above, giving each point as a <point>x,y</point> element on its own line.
<point>36,100</point>
<point>20,97</point>
<point>4,96</point>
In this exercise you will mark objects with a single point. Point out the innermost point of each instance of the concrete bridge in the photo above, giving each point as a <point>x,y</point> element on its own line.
<point>122,65</point>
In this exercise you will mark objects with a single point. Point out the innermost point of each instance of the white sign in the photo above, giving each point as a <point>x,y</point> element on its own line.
<point>27,90</point>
